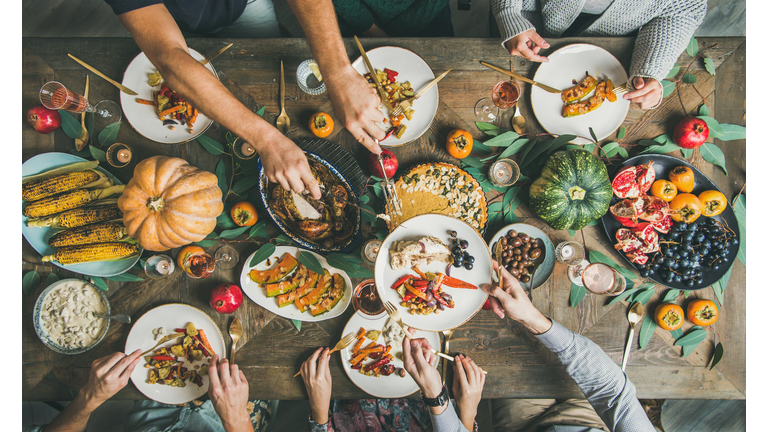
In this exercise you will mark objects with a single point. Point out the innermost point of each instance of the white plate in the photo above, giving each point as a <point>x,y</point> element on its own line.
<point>468,301</point>
<point>411,68</point>
<point>38,237</point>
<point>392,386</point>
<point>170,317</point>
<point>256,292</point>
<point>142,117</point>
<point>544,271</point>
<point>565,65</point>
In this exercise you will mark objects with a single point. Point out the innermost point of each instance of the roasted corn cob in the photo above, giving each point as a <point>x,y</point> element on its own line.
<point>79,217</point>
<point>68,201</point>
<point>93,252</point>
<point>96,233</point>
<point>44,188</point>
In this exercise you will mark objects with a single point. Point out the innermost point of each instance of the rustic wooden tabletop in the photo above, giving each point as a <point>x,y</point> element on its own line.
<point>271,349</point>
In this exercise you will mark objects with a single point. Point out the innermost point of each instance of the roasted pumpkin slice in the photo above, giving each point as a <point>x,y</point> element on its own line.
<point>289,284</point>
<point>305,288</point>
<point>579,90</point>
<point>609,91</point>
<point>323,284</point>
<point>333,298</point>
<point>283,268</point>
<point>589,105</point>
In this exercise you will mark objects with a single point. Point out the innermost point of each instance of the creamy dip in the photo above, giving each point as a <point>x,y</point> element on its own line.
<point>393,336</point>
<point>68,315</point>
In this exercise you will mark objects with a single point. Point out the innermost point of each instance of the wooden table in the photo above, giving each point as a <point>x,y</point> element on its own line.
<point>272,350</point>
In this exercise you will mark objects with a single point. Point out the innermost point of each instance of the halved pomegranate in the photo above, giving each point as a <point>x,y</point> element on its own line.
<point>663,226</point>
<point>637,257</point>
<point>645,176</point>
<point>627,241</point>
<point>624,184</point>
<point>654,209</point>
<point>626,211</point>
<point>650,238</point>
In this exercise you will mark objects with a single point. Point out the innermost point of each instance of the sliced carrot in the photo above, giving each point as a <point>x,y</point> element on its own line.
<point>189,110</point>
<point>172,110</point>
<point>358,344</point>
<point>360,332</point>
<point>357,359</point>
<point>204,340</point>
<point>145,101</point>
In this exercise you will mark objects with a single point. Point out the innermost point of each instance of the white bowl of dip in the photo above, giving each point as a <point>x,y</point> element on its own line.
<point>64,316</point>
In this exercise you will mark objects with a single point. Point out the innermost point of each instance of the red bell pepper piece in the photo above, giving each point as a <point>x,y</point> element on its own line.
<point>420,283</point>
<point>455,283</point>
<point>391,75</point>
<point>163,358</point>
<point>389,133</point>
<point>416,292</point>
<point>442,301</point>
<point>400,281</point>
<point>381,362</point>
<point>408,296</point>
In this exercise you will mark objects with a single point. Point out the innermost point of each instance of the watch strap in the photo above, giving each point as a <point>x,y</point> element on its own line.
<point>440,400</point>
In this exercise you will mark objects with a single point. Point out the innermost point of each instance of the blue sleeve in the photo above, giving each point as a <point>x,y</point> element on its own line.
<point>123,6</point>
<point>602,381</point>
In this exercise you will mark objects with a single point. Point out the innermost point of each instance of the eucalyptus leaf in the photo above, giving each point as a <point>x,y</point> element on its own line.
<point>232,233</point>
<point>262,254</point>
<point>676,333</point>
<point>52,277</point>
<point>282,238</point>
<point>715,130</point>
<point>514,148</point>
<point>70,125</point>
<point>686,152</point>
<point>623,152</point>
<point>125,277</point>
<point>719,286</point>
<point>503,140</point>
<point>622,296</point>
<point>29,282</point>
<point>473,161</point>
<point>99,283</point>
<point>660,149</point>
<point>623,130</point>
<point>589,147</point>
<point>221,176</point>
<point>647,142</point>
<point>647,328</point>
<point>206,243</point>
<point>592,134</point>
<point>364,199</point>
<point>559,142</point>
<point>667,87</point>
<point>108,135</point>
<point>704,110</point>
<point>340,261</point>
<point>535,152</point>
<point>709,65</point>
<point>717,356</point>
<point>98,154</point>
<point>740,211</point>
<point>310,261</point>
<point>366,216</point>
<point>261,110</point>
<point>89,125</point>
<point>693,47</point>
<point>611,149</point>
<point>224,220</point>
<point>243,185</point>
<point>571,232</point>
<point>663,138</point>
<point>478,145</point>
<point>296,323</point>
<point>689,78</point>
<point>510,194</point>
<point>712,154</point>
<point>490,129</point>
<point>644,295</point>
<point>732,132</point>
<point>511,217</point>
<point>211,145</point>
<point>672,72</point>
<point>671,296</point>
<point>531,145</point>
<point>692,338</point>
<point>577,294</point>
<point>257,228</point>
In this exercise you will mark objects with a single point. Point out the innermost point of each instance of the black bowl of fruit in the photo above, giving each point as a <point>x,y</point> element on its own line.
<point>671,222</point>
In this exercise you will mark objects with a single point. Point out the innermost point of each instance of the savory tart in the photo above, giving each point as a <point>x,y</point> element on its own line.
<point>440,188</point>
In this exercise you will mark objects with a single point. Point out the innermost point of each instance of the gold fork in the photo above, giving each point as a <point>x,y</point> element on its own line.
<point>343,343</point>
<point>620,89</point>
<point>162,341</point>
<point>404,105</point>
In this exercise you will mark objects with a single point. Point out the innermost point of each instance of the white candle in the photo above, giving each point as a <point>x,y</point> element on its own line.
<point>502,172</point>
<point>567,252</point>
<point>162,267</point>
<point>247,149</point>
<point>124,155</point>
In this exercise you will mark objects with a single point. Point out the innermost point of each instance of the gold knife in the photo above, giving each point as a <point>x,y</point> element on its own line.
<point>431,83</point>
<point>213,56</point>
<point>123,88</point>
<point>383,94</point>
<point>521,78</point>
<point>499,247</point>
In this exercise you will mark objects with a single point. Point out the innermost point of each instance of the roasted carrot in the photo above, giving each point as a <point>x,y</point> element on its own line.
<point>419,272</point>
<point>145,101</point>
<point>204,340</point>
<point>172,110</point>
<point>371,351</point>
<point>189,110</point>
<point>358,358</point>
<point>358,344</point>
<point>360,332</point>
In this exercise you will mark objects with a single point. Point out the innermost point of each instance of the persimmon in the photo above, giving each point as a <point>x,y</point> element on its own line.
<point>669,316</point>
<point>185,252</point>
<point>682,177</point>
<point>459,143</point>
<point>702,312</point>
<point>664,189</point>
<point>685,208</point>
<point>244,214</point>
<point>712,203</point>
<point>321,124</point>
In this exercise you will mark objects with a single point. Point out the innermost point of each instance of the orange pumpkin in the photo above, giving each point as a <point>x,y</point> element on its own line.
<point>169,203</point>
<point>321,124</point>
<point>459,143</point>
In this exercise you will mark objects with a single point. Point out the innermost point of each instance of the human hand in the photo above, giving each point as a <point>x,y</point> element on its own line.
<point>514,301</point>
<point>468,382</point>
<point>317,379</point>
<point>228,391</point>
<point>285,163</point>
<point>527,44</point>
<point>108,375</point>
<point>357,106</point>
<point>648,92</point>
<point>417,361</point>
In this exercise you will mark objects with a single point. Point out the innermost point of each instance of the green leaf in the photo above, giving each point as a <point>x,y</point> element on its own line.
<point>589,147</point>
<point>296,324</point>
<point>571,232</point>
<point>592,134</point>
<point>310,261</point>
<point>262,254</point>
<point>70,125</point>
<point>686,152</point>
<point>473,161</point>
<point>514,148</point>
<point>676,333</point>
<point>740,211</point>
<point>490,129</point>
<point>595,256</point>
<point>577,294</point>
<point>709,65</point>
<point>99,283</point>
<point>712,154</point>
<point>243,185</point>
<point>125,277</point>
<point>623,152</point>
<point>366,216</point>
<point>211,145</point>
<point>669,147</point>
<point>98,154</point>
<point>610,149</point>
<point>663,139</point>
<point>29,282</point>
<point>693,47</point>
<point>232,233</point>
<point>560,141</point>
<point>689,78</point>
<point>282,238</point>
<point>478,145</point>
<point>511,217</point>
<point>732,132</point>
<point>224,220</point>
<point>503,140</point>
<point>531,144</point>
<point>364,199</point>
<point>221,176</point>
<point>108,135</point>
<point>257,228</point>
<point>672,72</point>
<point>667,88</point>
<point>693,337</point>
<point>622,131</point>
<point>715,130</point>
<point>260,112</point>
<point>647,143</point>
<point>89,125</point>
<point>535,152</point>
<point>52,277</point>
<point>206,243</point>
<point>718,354</point>
<point>719,286</point>
<point>647,328</point>
<point>644,295</point>
<point>626,294</point>
<point>671,296</point>
<point>340,261</point>
<point>704,110</point>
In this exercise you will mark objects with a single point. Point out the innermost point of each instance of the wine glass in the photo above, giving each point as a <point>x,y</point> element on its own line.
<point>54,95</point>
<point>505,95</point>
<point>226,257</point>
<point>159,266</point>
<point>602,279</point>
<point>486,111</point>
<point>199,265</point>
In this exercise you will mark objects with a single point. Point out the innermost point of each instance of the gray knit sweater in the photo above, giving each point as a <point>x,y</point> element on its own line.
<point>666,26</point>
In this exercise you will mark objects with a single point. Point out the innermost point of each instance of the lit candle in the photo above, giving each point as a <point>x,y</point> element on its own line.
<point>371,250</point>
<point>162,267</point>
<point>247,149</point>
<point>124,155</point>
<point>567,252</point>
<point>503,172</point>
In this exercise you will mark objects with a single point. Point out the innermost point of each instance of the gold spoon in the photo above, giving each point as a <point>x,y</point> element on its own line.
<point>447,334</point>
<point>634,316</point>
<point>83,138</point>
<point>518,121</point>
<point>235,332</point>
<point>283,122</point>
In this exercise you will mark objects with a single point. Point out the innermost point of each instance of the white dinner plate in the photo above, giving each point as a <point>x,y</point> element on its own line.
<point>565,65</point>
<point>38,237</point>
<point>142,117</point>
<point>413,68</point>
<point>256,292</point>
<point>467,301</point>
<point>170,317</point>
<point>392,386</point>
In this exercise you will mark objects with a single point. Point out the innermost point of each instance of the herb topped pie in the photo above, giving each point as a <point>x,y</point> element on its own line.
<point>440,188</point>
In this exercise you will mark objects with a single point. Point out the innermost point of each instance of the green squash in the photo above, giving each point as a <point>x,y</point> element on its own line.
<point>573,190</point>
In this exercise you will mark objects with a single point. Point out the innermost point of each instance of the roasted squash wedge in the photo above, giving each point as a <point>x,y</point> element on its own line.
<point>288,284</point>
<point>305,288</point>
<point>333,298</point>
<point>591,104</point>
<point>275,274</point>
<point>579,90</point>
<point>323,284</point>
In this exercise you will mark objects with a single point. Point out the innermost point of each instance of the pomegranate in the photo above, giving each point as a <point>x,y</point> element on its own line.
<point>654,209</point>
<point>650,238</point>
<point>690,133</point>
<point>633,181</point>
<point>390,164</point>
<point>226,298</point>
<point>646,175</point>
<point>637,257</point>
<point>43,120</point>
<point>627,240</point>
<point>626,211</point>
<point>663,226</point>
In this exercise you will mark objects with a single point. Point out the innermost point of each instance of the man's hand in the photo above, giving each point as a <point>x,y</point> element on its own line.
<point>514,301</point>
<point>286,164</point>
<point>317,379</point>
<point>108,375</point>
<point>228,391</point>
<point>527,44</point>
<point>648,92</point>
<point>357,105</point>
<point>468,382</point>
<point>417,360</point>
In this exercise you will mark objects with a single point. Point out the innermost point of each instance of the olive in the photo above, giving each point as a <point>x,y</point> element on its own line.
<point>515,263</point>
<point>524,237</point>
<point>512,233</point>
<point>507,260</point>
<point>535,253</point>
<point>504,254</point>
<point>516,257</point>
<point>525,248</point>
<point>503,241</point>
<point>401,372</point>
<point>527,262</point>
<point>516,242</point>
<point>516,251</point>
<point>515,272</point>
<point>525,279</point>
<point>524,255</point>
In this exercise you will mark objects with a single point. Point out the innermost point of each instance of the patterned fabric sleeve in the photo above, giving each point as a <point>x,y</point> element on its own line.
<point>314,427</point>
<point>508,14</point>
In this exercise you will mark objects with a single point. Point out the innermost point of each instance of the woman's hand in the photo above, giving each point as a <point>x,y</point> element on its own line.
<point>228,391</point>
<point>468,382</point>
<point>317,379</point>
<point>648,92</point>
<point>417,360</point>
<point>514,301</point>
<point>527,44</point>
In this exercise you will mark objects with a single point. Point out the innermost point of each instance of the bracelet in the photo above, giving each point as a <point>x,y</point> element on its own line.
<point>440,400</point>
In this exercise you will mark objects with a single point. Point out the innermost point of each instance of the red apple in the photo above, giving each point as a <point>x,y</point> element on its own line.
<point>690,133</point>
<point>44,120</point>
<point>226,298</point>
<point>390,164</point>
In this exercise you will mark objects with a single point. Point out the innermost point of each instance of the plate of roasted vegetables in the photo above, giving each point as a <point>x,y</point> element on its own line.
<point>402,73</point>
<point>282,284</point>
<point>176,370</point>
<point>70,215</point>
<point>431,268</point>
<point>374,362</point>
<point>587,74</point>
<point>157,112</point>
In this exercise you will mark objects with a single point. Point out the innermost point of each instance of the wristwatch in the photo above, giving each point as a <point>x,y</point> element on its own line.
<point>440,400</point>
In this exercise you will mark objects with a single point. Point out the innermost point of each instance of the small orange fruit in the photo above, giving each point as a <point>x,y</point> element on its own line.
<point>186,251</point>
<point>321,124</point>
<point>669,316</point>
<point>459,143</point>
<point>683,178</point>
<point>713,203</point>
<point>244,214</point>
<point>685,208</point>
<point>702,312</point>
<point>664,189</point>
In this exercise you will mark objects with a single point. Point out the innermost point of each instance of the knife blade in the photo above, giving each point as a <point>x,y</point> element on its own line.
<point>431,83</point>
<point>208,59</point>
<point>521,78</point>
<point>382,93</point>
<point>122,88</point>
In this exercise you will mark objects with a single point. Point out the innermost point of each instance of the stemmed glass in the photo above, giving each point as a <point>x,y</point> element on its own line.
<point>226,257</point>
<point>199,265</point>
<point>54,95</point>
<point>571,253</point>
<point>505,95</point>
